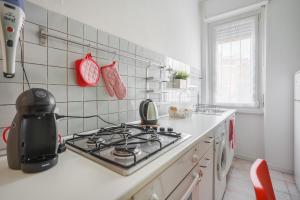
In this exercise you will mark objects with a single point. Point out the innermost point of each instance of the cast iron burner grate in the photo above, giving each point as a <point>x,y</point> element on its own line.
<point>125,145</point>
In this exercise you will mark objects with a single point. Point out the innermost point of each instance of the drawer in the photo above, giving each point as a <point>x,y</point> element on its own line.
<point>205,143</point>
<point>165,183</point>
<point>204,170</point>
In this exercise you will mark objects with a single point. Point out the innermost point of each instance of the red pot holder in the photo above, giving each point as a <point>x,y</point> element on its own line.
<point>113,82</point>
<point>87,71</point>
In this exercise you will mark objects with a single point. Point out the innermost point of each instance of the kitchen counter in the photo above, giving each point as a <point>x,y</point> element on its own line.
<point>76,177</point>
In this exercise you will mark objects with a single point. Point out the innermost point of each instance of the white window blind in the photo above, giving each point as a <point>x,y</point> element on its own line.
<point>234,63</point>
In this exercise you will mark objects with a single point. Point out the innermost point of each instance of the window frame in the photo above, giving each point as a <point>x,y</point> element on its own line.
<point>259,41</point>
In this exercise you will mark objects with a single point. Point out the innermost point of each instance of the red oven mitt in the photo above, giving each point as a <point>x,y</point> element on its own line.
<point>113,82</point>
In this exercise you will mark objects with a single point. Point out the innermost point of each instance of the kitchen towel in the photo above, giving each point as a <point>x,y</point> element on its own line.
<point>232,134</point>
<point>113,82</point>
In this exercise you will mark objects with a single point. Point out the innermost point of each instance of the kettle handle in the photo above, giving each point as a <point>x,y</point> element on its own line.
<point>142,114</point>
<point>4,132</point>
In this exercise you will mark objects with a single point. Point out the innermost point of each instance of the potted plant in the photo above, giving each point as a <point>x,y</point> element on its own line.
<point>180,79</point>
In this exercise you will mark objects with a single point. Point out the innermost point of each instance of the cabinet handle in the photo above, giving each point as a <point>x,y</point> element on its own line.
<point>206,164</point>
<point>210,140</point>
<point>196,180</point>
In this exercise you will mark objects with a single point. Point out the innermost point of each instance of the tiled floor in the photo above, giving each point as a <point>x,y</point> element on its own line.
<point>239,186</point>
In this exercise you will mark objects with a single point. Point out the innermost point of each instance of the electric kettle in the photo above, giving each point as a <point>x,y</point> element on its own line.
<point>148,112</point>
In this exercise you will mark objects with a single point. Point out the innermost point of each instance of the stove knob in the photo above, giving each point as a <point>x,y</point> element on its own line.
<point>170,129</point>
<point>148,127</point>
<point>162,129</point>
<point>155,128</point>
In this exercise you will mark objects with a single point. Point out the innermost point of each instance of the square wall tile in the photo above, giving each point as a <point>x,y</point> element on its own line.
<point>89,33</point>
<point>72,57</point>
<point>36,73</point>
<point>57,21</point>
<point>102,37</point>
<point>122,69</point>
<point>75,108</point>
<point>123,118</point>
<point>131,48</point>
<point>35,13</point>
<point>122,105</point>
<point>131,70</point>
<point>59,92</point>
<point>72,77</point>
<point>57,75</point>
<point>131,105</point>
<point>75,126</point>
<point>131,116</point>
<point>31,33</point>
<point>101,123</point>
<point>10,92</point>
<point>61,108</point>
<point>113,106</point>
<point>131,82</point>
<point>102,107</point>
<point>34,85</point>
<point>114,42</point>
<point>75,28</point>
<point>34,53</point>
<point>57,43</point>
<point>75,93</point>
<point>90,108</point>
<point>90,124</point>
<point>124,44</point>
<point>113,118</point>
<point>7,115</point>
<point>57,57</point>
<point>90,94</point>
<point>76,48</point>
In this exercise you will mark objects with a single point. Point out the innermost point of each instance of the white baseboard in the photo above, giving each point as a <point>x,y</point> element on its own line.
<point>243,157</point>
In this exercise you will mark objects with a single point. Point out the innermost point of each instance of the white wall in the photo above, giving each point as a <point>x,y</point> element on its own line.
<point>283,60</point>
<point>170,27</point>
<point>283,50</point>
<point>250,140</point>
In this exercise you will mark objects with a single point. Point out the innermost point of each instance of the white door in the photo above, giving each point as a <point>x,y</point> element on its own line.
<point>297,142</point>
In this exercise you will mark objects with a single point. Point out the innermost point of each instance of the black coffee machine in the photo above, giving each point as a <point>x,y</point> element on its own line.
<point>32,142</point>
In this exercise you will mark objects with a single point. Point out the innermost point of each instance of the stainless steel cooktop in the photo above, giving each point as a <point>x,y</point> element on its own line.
<point>125,148</point>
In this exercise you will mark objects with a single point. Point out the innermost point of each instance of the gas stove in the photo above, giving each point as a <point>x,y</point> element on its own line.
<point>125,148</point>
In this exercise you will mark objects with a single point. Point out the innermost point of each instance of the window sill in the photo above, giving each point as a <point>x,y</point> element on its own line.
<point>253,111</point>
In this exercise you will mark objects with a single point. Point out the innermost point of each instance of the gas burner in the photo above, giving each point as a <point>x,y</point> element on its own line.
<point>127,147</point>
<point>125,151</point>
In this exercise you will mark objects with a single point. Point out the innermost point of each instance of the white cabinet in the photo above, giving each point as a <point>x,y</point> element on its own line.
<point>206,184</point>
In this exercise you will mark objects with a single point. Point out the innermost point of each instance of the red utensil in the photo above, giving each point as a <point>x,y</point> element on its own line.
<point>87,71</point>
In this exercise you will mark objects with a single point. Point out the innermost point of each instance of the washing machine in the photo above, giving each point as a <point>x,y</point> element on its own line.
<point>220,164</point>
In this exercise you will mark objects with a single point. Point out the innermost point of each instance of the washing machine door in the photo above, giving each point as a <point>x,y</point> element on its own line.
<point>222,160</point>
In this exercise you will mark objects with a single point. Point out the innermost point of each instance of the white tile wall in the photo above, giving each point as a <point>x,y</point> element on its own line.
<point>51,66</point>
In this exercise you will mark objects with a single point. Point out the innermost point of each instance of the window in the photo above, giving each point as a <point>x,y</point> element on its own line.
<point>234,50</point>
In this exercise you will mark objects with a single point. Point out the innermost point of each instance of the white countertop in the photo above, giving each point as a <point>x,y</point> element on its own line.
<point>76,177</point>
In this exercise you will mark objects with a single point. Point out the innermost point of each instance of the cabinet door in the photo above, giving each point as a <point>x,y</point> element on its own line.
<point>206,184</point>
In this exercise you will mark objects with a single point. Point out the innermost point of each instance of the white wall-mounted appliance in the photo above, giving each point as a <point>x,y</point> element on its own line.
<point>297,128</point>
<point>12,18</point>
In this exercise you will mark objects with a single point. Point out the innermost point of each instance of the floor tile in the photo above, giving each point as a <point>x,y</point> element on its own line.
<point>229,195</point>
<point>239,185</point>
<point>292,188</point>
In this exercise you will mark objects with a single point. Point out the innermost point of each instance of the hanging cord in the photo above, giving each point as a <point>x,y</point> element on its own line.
<point>85,117</point>
<point>22,62</point>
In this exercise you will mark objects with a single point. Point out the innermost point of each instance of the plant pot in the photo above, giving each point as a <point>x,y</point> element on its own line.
<point>180,83</point>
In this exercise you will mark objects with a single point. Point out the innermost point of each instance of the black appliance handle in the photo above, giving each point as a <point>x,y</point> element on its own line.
<point>142,109</point>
